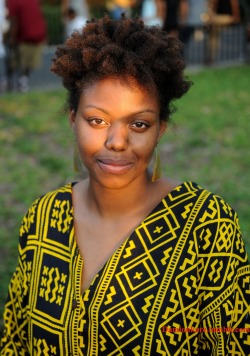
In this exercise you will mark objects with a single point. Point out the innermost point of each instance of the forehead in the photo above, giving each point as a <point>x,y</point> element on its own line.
<point>117,88</point>
<point>117,98</point>
<point>127,82</point>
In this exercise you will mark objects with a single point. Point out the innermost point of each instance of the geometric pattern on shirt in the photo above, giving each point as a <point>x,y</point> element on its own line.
<point>184,267</point>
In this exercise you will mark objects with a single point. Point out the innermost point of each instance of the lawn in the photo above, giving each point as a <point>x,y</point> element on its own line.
<point>207,142</point>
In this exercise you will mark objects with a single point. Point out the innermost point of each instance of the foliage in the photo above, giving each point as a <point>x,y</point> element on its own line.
<point>54,22</point>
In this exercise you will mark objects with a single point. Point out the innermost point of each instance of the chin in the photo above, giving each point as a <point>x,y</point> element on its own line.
<point>115,183</point>
<point>112,181</point>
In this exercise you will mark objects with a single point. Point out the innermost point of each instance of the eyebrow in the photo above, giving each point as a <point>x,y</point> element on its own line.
<point>133,113</point>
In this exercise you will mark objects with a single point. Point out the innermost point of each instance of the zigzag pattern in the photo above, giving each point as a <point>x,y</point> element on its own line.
<point>164,285</point>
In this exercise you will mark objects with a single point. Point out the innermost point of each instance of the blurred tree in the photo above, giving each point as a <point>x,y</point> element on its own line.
<point>53,16</point>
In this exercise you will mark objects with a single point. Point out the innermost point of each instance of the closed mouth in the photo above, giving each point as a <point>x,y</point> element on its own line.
<point>114,166</point>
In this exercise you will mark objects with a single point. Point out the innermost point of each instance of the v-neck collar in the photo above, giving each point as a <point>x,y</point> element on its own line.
<point>165,199</point>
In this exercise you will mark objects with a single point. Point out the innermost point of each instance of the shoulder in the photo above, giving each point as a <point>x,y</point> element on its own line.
<point>46,206</point>
<point>207,220</point>
<point>63,193</point>
<point>215,224</point>
<point>200,205</point>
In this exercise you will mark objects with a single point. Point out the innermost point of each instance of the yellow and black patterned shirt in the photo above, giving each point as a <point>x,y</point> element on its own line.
<point>179,285</point>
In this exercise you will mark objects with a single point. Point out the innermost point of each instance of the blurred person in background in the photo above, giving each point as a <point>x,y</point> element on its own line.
<point>222,13</point>
<point>73,21</point>
<point>3,26</point>
<point>80,7</point>
<point>117,7</point>
<point>172,13</point>
<point>150,13</point>
<point>25,41</point>
<point>245,19</point>
<point>193,20</point>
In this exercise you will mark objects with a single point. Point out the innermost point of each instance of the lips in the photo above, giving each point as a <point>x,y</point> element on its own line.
<point>114,166</point>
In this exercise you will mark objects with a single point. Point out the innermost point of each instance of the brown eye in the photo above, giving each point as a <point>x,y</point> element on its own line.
<point>140,125</point>
<point>97,122</point>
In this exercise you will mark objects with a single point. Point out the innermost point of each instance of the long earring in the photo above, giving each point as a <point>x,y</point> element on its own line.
<point>157,166</point>
<point>77,162</point>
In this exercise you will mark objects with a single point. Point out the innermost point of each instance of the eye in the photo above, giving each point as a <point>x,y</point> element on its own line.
<point>95,121</point>
<point>140,125</point>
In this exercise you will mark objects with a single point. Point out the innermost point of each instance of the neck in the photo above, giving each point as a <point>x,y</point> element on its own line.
<point>114,202</point>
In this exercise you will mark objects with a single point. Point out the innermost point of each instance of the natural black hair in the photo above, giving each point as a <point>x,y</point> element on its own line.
<point>124,48</point>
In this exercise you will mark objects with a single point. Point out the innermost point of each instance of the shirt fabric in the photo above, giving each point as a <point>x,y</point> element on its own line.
<point>31,22</point>
<point>178,285</point>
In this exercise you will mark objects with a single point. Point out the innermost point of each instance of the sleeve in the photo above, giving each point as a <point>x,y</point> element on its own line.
<point>224,285</point>
<point>15,335</point>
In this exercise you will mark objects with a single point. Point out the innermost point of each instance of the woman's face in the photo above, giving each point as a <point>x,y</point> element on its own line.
<point>117,128</point>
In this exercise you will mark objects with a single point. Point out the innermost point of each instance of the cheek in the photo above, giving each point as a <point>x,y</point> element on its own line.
<point>89,141</point>
<point>145,142</point>
<point>144,148</point>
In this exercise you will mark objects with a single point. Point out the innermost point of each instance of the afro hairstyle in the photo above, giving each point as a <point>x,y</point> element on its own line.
<point>127,49</point>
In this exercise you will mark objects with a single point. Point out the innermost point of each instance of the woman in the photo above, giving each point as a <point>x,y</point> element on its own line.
<point>124,262</point>
<point>173,13</point>
<point>222,13</point>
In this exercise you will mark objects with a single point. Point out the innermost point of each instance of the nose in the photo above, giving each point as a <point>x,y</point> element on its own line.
<point>117,138</point>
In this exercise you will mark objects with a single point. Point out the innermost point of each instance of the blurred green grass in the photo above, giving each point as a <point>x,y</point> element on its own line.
<point>207,142</point>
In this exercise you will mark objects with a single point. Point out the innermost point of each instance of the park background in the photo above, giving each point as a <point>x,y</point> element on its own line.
<point>207,141</point>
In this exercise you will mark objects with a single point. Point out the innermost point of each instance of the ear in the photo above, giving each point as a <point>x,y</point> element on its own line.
<point>163,127</point>
<point>72,119</point>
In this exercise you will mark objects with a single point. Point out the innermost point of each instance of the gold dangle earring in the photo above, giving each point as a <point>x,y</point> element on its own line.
<point>77,161</point>
<point>157,166</point>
